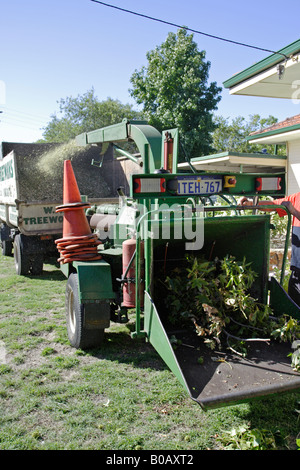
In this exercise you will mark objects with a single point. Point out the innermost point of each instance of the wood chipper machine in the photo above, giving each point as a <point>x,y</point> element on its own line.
<point>115,261</point>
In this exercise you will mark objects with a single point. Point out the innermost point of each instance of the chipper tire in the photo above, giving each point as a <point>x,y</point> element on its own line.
<point>79,336</point>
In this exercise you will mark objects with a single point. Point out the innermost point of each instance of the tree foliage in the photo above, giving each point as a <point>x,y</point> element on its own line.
<point>223,312</point>
<point>85,113</point>
<point>174,92</point>
<point>231,135</point>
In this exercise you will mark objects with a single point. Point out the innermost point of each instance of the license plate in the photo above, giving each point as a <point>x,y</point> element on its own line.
<point>199,185</point>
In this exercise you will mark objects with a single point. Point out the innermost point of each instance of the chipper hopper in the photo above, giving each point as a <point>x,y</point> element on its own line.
<point>129,247</point>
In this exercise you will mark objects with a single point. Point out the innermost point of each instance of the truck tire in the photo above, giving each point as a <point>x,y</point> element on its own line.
<point>7,247</point>
<point>79,336</point>
<point>22,262</point>
<point>37,262</point>
<point>6,241</point>
<point>26,262</point>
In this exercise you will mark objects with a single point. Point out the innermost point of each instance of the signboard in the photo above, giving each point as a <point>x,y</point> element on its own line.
<point>8,184</point>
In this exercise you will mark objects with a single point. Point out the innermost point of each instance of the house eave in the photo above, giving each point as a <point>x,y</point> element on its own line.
<point>265,79</point>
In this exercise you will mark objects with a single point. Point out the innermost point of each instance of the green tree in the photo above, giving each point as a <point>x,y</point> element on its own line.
<point>174,92</point>
<point>231,135</point>
<point>85,113</point>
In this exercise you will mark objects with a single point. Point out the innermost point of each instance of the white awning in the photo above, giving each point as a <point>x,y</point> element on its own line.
<point>236,162</point>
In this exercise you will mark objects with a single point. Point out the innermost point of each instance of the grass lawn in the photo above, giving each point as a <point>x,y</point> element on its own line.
<point>120,397</point>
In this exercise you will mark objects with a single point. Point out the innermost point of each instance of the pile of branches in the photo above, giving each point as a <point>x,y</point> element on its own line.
<point>214,297</point>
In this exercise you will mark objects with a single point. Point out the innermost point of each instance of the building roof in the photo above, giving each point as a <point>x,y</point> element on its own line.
<point>273,76</point>
<point>288,122</point>
<point>280,132</point>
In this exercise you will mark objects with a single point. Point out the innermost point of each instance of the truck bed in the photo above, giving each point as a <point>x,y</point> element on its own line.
<point>39,170</point>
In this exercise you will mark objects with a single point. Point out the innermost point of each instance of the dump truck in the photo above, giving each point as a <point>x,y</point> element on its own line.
<point>30,190</point>
<point>128,247</point>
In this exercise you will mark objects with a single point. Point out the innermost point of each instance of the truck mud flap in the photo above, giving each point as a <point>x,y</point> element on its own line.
<point>214,379</point>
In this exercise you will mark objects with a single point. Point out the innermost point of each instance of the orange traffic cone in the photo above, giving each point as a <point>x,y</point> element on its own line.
<point>75,223</point>
<point>78,242</point>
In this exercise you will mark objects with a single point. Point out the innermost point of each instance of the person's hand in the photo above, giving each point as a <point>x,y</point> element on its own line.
<point>245,202</point>
<point>292,209</point>
<point>288,205</point>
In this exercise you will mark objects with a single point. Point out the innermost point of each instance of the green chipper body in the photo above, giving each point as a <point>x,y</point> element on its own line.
<point>165,215</point>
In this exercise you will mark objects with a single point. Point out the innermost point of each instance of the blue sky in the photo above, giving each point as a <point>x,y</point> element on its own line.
<point>51,49</point>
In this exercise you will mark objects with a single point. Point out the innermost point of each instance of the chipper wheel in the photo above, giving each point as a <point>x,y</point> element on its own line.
<point>79,335</point>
